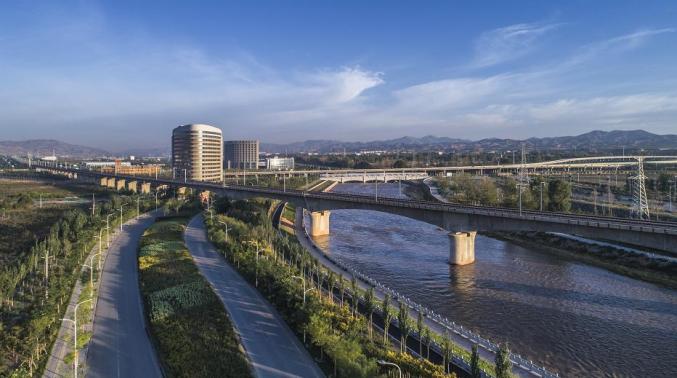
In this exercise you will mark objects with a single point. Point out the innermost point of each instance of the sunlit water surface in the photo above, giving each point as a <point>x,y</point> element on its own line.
<point>574,318</point>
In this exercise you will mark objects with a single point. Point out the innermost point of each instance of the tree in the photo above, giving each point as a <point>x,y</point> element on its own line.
<point>354,294</point>
<point>369,307</point>
<point>428,340</point>
<point>362,165</point>
<point>503,364</point>
<point>399,164</point>
<point>559,195</point>
<point>387,318</point>
<point>447,350</point>
<point>419,328</point>
<point>405,326</point>
<point>664,182</point>
<point>331,282</point>
<point>475,363</point>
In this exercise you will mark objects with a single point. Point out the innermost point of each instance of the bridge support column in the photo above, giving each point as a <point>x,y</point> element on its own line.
<point>462,247</point>
<point>111,183</point>
<point>319,223</point>
<point>132,186</point>
<point>145,187</point>
<point>120,185</point>
<point>103,181</point>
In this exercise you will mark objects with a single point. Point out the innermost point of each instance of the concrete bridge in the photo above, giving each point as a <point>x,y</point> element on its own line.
<point>462,221</point>
<point>373,176</point>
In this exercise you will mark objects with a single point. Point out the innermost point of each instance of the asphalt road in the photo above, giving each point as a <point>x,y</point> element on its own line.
<point>120,346</point>
<point>271,346</point>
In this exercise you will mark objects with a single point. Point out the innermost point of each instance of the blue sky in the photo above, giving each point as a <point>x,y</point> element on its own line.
<point>122,74</point>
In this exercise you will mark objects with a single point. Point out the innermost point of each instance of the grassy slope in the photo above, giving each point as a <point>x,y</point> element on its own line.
<point>20,227</point>
<point>193,334</point>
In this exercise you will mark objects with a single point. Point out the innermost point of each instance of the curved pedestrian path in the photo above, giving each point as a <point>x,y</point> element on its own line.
<point>271,346</point>
<point>120,346</point>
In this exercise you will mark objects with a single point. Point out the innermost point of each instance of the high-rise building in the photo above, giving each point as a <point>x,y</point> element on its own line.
<point>241,154</point>
<point>198,149</point>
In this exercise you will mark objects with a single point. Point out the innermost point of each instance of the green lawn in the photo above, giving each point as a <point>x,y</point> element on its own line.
<point>192,332</point>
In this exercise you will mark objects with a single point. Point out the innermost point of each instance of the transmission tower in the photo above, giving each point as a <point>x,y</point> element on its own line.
<point>523,178</point>
<point>640,207</point>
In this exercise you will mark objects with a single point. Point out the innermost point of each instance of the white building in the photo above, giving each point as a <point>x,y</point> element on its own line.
<point>99,164</point>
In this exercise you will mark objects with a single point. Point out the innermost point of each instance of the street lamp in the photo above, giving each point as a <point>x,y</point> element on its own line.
<point>100,240</point>
<point>121,218</point>
<point>107,229</point>
<point>256,243</point>
<point>91,276</point>
<point>386,363</point>
<point>542,185</point>
<point>225,224</point>
<point>75,336</point>
<point>304,287</point>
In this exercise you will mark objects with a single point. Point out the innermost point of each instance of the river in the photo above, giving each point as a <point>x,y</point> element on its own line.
<point>574,318</point>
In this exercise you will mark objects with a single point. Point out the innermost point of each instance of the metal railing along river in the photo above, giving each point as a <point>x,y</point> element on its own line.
<point>441,320</point>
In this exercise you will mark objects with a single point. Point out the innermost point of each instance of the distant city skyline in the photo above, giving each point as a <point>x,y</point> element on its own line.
<point>121,75</point>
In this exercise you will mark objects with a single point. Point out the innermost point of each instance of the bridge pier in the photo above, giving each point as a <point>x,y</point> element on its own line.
<point>132,186</point>
<point>120,185</point>
<point>145,187</point>
<point>319,223</point>
<point>111,183</point>
<point>103,181</point>
<point>462,247</point>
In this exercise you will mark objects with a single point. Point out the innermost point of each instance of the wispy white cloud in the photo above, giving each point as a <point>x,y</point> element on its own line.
<point>104,85</point>
<point>509,43</point>
<point>614,45</point>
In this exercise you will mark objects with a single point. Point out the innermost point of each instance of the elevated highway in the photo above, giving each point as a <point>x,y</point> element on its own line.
<point>462,221</point>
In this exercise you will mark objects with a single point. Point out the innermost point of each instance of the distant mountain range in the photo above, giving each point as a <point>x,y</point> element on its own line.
<point>47,147</point>
<point>593,141</point>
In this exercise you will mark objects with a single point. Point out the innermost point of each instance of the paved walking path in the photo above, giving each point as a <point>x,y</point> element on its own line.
<point>120,346</point>
<point>271,346</point>
<point>56,366</point>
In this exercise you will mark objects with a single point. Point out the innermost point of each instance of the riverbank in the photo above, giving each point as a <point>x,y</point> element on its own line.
<point>643,266</point>
<point>547,307</point>
<point>649,269</point>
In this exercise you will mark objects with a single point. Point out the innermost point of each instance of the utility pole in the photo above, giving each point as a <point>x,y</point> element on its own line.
<point>107,230</point>
<point>93,204</point>
<point>522,179</point>
<point>609,212</point>
<point>594,195</point>
<point>138,206</point>
<point>46,273</point>
<point>376,192</point>
<point>121,218</point>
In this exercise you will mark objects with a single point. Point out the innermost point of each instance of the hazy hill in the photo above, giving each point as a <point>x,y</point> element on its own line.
<point>594,140</point>
<point>45,147</point>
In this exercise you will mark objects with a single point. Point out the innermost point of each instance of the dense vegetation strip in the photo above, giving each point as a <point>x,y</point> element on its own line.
<point>41,267</point>
<point>191,329</point>
<point>338,321</point>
